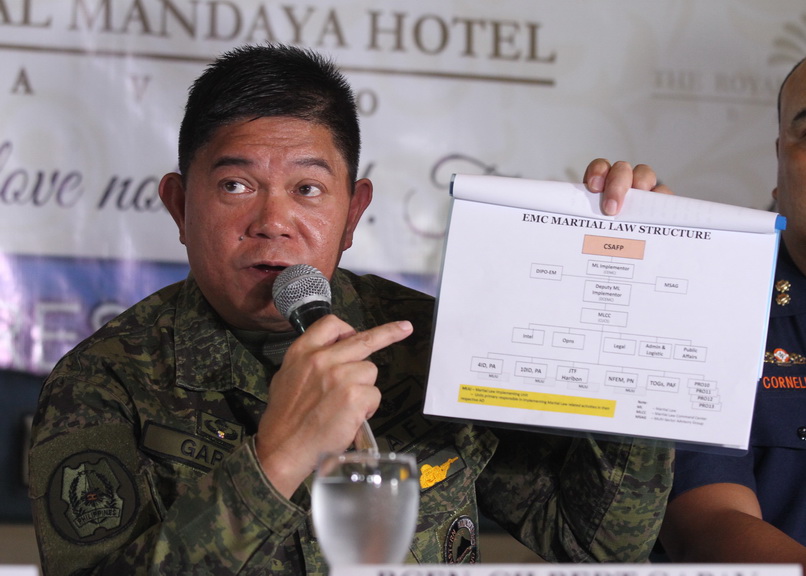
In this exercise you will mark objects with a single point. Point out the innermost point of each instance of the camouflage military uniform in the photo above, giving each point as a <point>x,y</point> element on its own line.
<point>143,461</point>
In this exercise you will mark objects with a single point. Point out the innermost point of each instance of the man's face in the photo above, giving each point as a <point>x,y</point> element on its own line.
<point>790,193</point>
<point>263,195</point>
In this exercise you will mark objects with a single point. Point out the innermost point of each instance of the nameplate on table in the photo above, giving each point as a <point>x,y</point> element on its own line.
<point>18,570</point>
<point>570,570</point>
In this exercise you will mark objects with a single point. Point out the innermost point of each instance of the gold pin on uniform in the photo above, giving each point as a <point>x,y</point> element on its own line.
<point>782,287</point>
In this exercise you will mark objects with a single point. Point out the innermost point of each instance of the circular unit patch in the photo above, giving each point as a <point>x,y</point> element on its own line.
<point>460,542</point>
<point>91,497</point>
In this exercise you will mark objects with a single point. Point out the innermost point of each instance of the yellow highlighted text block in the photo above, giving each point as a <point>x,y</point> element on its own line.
<point>536,401</point>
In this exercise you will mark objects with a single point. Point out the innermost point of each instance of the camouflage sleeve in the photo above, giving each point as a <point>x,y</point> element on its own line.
<point>99,509</point>
<point>578,499</point>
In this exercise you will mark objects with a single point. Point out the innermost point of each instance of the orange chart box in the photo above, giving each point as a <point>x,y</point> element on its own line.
<point>606,246</point>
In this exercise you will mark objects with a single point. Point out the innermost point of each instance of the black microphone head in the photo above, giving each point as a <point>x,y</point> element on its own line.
<point>301,290</point>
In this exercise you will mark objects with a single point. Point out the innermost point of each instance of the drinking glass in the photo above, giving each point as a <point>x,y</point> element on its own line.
<point>364,507</point>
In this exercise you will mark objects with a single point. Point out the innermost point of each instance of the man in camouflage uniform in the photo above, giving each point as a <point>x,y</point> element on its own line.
<point>181,437</point>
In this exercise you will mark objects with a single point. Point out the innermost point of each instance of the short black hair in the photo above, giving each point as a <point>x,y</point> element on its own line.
<point>781,89</point>
<point>270,79</point>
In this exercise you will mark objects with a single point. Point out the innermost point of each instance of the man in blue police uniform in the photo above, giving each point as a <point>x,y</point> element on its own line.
<point>753,508</point>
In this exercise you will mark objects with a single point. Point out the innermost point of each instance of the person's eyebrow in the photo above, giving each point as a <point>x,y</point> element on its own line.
<point>314,161</point>
<point>306,161</point>
<point>231,161</point>
<point>800,116</point>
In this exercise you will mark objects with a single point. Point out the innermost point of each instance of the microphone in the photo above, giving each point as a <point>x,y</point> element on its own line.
<point>302,295</point>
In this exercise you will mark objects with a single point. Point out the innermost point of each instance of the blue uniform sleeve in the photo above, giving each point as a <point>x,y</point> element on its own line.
<point>693,469</point>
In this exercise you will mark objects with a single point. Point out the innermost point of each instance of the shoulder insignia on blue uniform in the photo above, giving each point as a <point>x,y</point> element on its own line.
<point>91,497</point>
<point>782,296</point>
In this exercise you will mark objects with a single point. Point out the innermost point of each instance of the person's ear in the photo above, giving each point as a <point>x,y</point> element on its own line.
<point>360,199</point>
<point>172,194</point>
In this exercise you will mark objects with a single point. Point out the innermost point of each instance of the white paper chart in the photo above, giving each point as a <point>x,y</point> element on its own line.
<point>651,324</point>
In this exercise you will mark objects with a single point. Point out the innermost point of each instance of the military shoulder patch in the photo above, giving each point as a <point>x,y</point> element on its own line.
<point>461,546</point>
<point>440,467</point>
<point>91,497</point>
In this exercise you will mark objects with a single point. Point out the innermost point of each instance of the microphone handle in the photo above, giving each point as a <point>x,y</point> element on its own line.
<point>300,319</point>
<point>308,313</point>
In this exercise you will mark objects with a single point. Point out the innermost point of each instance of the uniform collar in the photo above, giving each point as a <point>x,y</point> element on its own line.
<point>354,305</point>
<point>786,271</point>
<point>209,357</point>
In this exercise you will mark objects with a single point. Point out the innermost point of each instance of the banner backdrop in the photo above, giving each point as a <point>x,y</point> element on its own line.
<point>92,94</point>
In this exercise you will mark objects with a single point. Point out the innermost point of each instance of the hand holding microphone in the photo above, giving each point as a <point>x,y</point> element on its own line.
<point>302,295</point>
<point>324,383</point>
<point>346,485</point>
